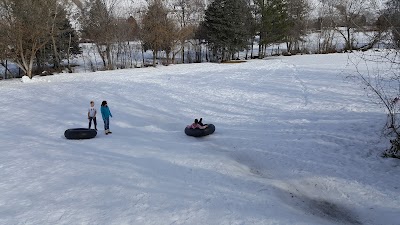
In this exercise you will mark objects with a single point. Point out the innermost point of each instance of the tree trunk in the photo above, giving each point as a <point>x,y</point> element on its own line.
<point>349,42</point>
<point>68,52</point>
<point>56,57</point>
<point>99,50</point>
<point>109,60</point>
<point>142,55</point>
<point>183,52</point>
<point>154,57</point>
<point>30,74</point>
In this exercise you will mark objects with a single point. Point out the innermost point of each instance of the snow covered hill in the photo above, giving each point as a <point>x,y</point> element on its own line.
<point>295,143</point>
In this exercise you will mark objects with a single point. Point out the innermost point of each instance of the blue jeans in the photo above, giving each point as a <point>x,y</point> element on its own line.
<point>106,123</point>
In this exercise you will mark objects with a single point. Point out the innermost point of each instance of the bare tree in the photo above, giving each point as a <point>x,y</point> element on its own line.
<point>382,78</point>
<point>100,26</point>
<point>393,18</point>
<point>127,30</point>
<point>325,27</point>
<point>4,54</point>
<point>349,17</point>
<point>189,13</point>
<point>158,30</point>
<point>383,86</point>
<point>383,81</point>
<point>27,27</point>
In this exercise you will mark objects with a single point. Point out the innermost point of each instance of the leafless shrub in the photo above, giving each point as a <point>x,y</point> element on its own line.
<point>382,82</point>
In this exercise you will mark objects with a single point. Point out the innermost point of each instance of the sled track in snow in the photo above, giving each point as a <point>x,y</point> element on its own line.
<point>297,79</point>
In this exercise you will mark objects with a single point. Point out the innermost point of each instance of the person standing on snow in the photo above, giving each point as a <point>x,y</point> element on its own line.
<point>92,115</point>
<point>106,114</point>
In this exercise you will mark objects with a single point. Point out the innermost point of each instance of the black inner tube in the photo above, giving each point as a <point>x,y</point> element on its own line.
<point>200,132</point>
<point>80,133</point>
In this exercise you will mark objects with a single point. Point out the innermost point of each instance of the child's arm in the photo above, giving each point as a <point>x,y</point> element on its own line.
<point>102,113</point>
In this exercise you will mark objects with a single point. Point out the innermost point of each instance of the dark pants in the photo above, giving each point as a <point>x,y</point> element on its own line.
<point>106,123</point>
<point>94,122</point>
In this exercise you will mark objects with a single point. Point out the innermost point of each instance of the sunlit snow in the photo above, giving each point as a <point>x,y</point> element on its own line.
<point>295,143</point>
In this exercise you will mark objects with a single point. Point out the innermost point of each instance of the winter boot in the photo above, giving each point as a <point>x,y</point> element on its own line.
<point>109,132</point>
<point>106,132</point>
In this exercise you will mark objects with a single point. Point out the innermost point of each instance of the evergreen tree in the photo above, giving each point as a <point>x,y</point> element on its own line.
<point>65,44</point>
<point>68,39</point>
<point>298,11</point>
<point>226,27</point>
<point>274,22</point>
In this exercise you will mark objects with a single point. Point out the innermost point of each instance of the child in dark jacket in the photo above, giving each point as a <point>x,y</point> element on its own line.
<point>197,124</point>
<point>106,114</point>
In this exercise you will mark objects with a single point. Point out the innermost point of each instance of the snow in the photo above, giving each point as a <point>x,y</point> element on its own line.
<point>295,143</point>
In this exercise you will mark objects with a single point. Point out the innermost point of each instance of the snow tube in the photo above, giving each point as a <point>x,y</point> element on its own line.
<point>80,133</point>
<point>200,132</point>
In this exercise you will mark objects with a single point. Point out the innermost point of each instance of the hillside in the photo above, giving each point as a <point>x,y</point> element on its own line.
<point>295,143</point>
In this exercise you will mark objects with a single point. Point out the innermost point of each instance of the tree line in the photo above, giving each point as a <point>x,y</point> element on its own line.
<point>38,34</point>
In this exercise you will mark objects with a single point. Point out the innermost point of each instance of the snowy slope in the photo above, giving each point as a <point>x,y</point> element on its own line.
<point>295,143</point>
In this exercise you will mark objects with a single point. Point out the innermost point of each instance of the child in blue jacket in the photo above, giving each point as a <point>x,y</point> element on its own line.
<point>106,114</point>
